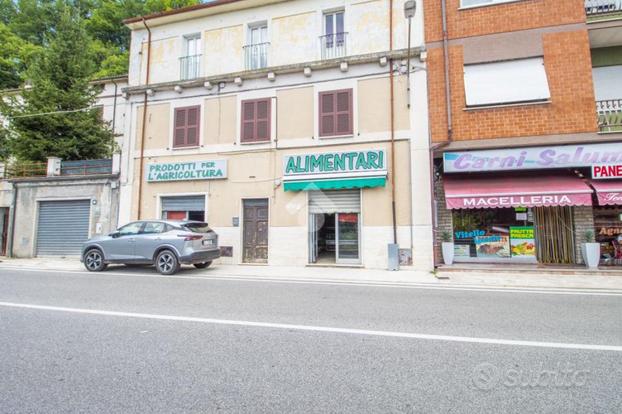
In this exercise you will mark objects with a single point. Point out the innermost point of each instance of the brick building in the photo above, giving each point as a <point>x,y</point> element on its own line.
<point>524,99</point>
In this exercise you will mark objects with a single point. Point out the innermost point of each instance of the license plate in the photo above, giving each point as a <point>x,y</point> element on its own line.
<point>208,242</point>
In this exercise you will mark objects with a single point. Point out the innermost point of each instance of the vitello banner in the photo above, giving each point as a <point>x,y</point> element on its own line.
<point>335,163</point>
<point>185,171</point>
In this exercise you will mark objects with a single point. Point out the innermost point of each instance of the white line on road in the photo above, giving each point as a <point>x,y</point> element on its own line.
<point>333,282</point>
<point>391,334</point>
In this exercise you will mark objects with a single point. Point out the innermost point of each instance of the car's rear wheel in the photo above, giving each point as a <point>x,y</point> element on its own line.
<point>94,261</point>
<point>167,263</point>
<point>203,265</point>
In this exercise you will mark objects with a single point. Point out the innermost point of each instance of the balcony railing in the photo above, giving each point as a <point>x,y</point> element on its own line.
<point>86,167</point>
<point>609,115</point>
<point>601,7</point>
<point>190,67</point>
<point>24,170</point>
<point>333,45</point>
<point>256,56</point>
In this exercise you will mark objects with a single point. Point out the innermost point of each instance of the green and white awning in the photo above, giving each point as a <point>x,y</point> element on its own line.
<point>335,184</point>
<point>335,170</point>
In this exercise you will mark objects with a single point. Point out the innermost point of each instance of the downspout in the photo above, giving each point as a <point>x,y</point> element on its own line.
<point>144,124</point>
<point>446,66</point>
<point>11,232</point>
<point>114,116</point>
<point>392,111</point>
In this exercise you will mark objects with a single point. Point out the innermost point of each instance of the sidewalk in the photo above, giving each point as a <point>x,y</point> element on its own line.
<point>490,276</point>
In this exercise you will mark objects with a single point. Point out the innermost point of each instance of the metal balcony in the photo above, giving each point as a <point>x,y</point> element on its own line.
<point>190,67</point>
<point>602,7</point>
<point>256,56</point>
<point>609,114</point>
<point>334,45</point>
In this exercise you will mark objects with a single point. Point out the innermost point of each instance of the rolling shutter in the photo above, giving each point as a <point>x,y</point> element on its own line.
<point>183,203</point>
<point>330,202</point>
<point>336,113</point>
<point>62,227</point>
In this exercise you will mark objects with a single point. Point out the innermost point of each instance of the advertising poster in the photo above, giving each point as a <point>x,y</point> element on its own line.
<point>522,241</point>
<point>497,246</point>
<point>462,250</point>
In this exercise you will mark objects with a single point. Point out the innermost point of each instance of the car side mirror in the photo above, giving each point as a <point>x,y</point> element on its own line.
<point>115,234</point>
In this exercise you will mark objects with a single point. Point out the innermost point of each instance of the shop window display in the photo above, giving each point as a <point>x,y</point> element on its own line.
<point>493,235</point>
<point>608,230</point>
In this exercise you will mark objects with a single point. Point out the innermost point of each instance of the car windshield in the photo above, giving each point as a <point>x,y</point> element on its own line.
<point>196,227</point>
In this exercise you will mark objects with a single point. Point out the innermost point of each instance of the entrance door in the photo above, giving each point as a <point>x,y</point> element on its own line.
<point>334,226</point>
<point>255,239</point>
<point>347,238</point>
<point>4,225</point>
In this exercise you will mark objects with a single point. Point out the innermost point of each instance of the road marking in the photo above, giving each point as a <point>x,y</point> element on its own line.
<point>333,282</point>
<point>310,328</point>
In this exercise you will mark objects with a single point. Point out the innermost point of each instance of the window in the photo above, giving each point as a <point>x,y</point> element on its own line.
<point>154,228</point>
<point>474,3</point>
<point>131,229</point>
<point>515,81</point>
<point>334,38</point>
<point>255,120</point>
<point>190,62</point>
<point>256,51</point>
<point>335,113</point>
<point>186,132</point>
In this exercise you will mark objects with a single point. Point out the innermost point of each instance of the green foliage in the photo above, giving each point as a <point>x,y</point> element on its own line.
<point>60,79</point>
<point>588,236</point>
<point>59,45</point>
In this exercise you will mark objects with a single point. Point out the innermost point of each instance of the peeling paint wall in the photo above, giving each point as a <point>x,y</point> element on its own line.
<point>293,39</point>
<point>223,50</point>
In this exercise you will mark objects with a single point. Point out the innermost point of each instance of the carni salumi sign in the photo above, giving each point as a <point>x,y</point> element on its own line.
<point>565,156</point>
<point>186,171</point>
<point>335,170</point>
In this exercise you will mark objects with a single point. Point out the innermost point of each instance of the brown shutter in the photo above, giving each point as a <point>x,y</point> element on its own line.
<point>343,112</point>
<point>187,126</point>
<point>179,138</point>
<point>255,121</point>
<point>336,113</point>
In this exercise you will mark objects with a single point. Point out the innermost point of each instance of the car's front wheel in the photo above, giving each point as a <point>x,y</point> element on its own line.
<point>94,261</point>
<point>167,263</point>
<point>203,265</point>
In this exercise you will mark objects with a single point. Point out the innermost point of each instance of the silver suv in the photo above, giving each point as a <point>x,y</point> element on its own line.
<point>164,243</point>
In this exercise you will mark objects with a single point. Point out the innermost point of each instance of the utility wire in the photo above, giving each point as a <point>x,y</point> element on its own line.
<point>50,113</point>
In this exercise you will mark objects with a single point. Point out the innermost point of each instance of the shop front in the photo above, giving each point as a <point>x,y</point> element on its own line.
<point>531,205</point>
<point>335,183</point>
<point>607,181</point>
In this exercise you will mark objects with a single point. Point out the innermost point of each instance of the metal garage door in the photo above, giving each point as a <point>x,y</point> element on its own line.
<point>62,227</point>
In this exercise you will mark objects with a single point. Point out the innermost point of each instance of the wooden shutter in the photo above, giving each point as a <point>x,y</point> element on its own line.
<point>336,113</point>
<point>187,126</point>
<point>256,117</point>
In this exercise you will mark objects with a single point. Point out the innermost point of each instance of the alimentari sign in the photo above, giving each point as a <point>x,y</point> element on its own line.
<point>533,158</point>
<point>186,171</point>
<point>335,164</point>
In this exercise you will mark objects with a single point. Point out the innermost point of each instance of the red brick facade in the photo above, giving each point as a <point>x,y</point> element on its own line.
<point>566,57</point>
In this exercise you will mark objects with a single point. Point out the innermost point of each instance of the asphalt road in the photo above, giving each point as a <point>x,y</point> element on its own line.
<point>137,343</point>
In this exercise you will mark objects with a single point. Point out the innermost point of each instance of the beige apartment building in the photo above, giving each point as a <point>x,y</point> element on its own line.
<point>297,129</point>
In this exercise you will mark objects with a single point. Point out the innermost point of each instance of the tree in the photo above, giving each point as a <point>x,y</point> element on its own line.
<point>55,117</point>
<point>15,55</point>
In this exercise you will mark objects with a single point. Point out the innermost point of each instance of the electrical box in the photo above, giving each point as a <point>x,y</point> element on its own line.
<point>394,257</point>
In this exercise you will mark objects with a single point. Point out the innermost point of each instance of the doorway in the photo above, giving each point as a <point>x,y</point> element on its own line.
<point>334,227</point>
<point>4,229</point>
<point>255,231</point>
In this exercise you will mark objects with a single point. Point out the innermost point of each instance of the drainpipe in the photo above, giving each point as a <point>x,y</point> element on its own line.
<point>114,115</point>
<point>11,231</point>
<point>446,65</point>
<point>392,111</point>
<point>144,123</point>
